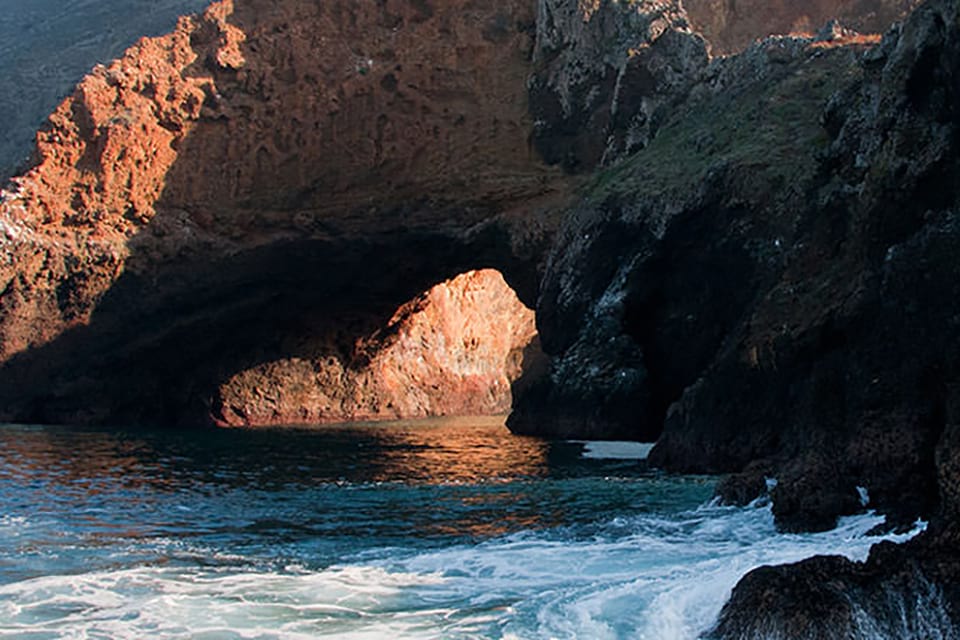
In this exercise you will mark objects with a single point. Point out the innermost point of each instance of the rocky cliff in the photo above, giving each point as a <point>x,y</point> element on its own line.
<point>219,196</point>
<point>750,286</point>
<point>768,287</point>
<point>749,259</point>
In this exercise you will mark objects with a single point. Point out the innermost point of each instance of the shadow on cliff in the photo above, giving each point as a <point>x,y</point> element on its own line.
<point>184,317</point>
<point>157,347</point>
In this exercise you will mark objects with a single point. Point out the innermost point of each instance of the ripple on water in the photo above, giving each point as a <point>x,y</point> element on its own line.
<point>456,531</point>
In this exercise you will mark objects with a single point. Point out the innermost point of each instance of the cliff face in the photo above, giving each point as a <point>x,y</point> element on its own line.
<point>605,73</point>
<point>719,289</point>
<point>261,172</point>
<point>769,287</point>
<point>219,195</point>
<point>750,260</point>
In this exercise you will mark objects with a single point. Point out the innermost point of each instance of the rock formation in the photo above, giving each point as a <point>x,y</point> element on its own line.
<point>718,289</point>
<point>49,45</point>
<point>605,73</point>
<point>219,196</point>
<point>454,350</point>
<point>750,259</point>
<point>769,287</point>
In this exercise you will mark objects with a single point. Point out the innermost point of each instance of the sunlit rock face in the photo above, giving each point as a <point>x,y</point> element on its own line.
<point>455,350</point>
<point>267,173</point>
<point>49,45</point>
<point>731,25</point>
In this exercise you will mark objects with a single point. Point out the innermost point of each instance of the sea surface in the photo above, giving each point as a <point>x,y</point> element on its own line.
<point>431,529</point>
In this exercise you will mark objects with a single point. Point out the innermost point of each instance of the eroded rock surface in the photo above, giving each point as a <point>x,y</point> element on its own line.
<point>761,274</point>
<point>47,46</point>
<point>770,287</point>
<point>765,279</point>
<point>454,350</point>
<point>216,197</point>
<point>606,73</point>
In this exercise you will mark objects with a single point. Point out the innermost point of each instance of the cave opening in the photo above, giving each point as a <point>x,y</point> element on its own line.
<point>453,350</point>
<point>292,335</point>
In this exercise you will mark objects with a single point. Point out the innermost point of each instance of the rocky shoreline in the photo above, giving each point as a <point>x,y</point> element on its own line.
<point>750,259</point>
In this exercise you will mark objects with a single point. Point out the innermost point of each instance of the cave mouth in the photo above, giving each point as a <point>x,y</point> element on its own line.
<point>453,350</point>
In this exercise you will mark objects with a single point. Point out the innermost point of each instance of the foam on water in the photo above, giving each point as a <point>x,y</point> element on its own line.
<point>431,530</point>
<point>661,577</point>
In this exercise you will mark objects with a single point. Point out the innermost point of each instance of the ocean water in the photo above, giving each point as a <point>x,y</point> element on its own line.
<point>434,529</point>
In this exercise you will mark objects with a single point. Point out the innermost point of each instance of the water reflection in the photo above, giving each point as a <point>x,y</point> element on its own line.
<point>442,451</point>
<point>428,478</point>
<point>71,497</point>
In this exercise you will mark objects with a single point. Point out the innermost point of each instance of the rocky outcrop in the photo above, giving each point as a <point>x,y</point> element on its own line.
<point>906,591</point>
<point>760,275</point>
<point>219,196</point>
<point>895,595</point>
<point>452,351</point>
<point>769,287</point>
<point>732,25</point>
<point>720,289</point>
<point>609,74</point>
<point>637,297</point>
<point>48,46</point>
<point>606,72</point>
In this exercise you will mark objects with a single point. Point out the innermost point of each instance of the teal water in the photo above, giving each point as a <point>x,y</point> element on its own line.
<point>435,529</point>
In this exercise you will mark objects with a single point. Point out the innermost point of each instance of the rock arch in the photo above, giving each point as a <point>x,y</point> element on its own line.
<point>263,174</point>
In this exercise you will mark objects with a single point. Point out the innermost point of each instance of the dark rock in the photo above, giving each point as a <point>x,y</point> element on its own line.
<point>605,76</point>
<point>893,595</point>
<point>812,492</point>
<point>772,276</point>
<point>740,489</point>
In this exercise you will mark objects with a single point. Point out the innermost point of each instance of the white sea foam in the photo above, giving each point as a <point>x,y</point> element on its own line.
<point>655,577</point>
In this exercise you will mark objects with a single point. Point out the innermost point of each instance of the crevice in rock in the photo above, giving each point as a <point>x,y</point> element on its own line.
<point>680,305</point>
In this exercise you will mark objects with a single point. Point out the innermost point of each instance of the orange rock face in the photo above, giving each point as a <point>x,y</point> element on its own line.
<point>263,172</point>
<point>452,351</point>
<point>260,122</point>
<point>731,25</point>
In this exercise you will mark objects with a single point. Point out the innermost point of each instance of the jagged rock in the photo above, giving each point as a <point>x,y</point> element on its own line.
<point>762,274</point>
<point>653,270</point>
<point>776,275</point>
<point>50,45</point>
<point>720,289</point>
<point>605,74</point>
<point>891,596</point>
